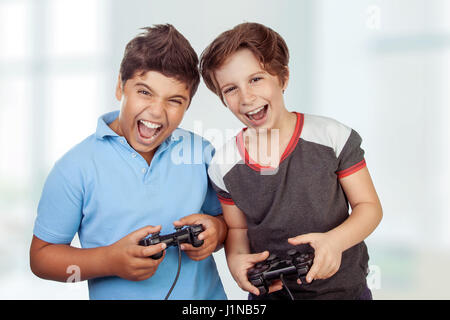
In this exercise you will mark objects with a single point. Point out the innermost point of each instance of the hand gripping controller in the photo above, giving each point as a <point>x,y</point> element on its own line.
<point>263,273</point>
<point>187,235</point>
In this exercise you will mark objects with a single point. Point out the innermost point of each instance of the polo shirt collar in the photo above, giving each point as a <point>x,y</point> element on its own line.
<point>103,122</point>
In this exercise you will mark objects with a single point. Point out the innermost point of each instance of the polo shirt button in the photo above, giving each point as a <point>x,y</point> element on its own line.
<point>122,141</point>
<point>143,170</point>
<point>133,155</point>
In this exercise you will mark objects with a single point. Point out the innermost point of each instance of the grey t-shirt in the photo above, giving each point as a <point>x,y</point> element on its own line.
<point>303,195</point>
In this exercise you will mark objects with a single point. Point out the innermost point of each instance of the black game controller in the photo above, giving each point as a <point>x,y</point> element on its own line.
<point>187,235</point>
<point>263,273</point>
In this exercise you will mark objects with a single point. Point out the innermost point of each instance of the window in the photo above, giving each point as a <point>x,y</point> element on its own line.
<point>51,76</point>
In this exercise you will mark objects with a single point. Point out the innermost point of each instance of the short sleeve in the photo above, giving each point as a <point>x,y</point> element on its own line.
<point>351,159</point>
<point>218,184</point>
<point>60,207</point>
<point>211,205</point>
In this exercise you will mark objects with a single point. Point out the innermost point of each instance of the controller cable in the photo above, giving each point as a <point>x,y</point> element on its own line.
<point>178,271</point>
<point>286,287</point>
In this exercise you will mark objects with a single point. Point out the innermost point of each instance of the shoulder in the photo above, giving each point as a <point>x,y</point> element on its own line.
<point>227,155</point>
<point>227,150</point>
<point>80,156</point>
<point>325,131</point>
<point>189,144</point>
<point>224,160</point>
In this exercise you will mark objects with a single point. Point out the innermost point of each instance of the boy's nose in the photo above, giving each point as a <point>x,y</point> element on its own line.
<point>247,97</point>
<point>156,109</point>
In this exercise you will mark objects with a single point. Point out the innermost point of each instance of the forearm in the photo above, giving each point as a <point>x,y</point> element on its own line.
<point>222,232</point>
<point>53,261</point>
<point>363,220</point>
<point>236,242</point>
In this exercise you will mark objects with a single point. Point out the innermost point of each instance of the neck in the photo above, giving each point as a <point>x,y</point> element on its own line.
<point>148,156</point>
<point>115,127</point>
<point>283,128</point>
<point>267,145</point>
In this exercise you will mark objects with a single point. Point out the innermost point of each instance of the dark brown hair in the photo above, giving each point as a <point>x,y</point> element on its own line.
<point>163,49</point>
<point>266,44</point>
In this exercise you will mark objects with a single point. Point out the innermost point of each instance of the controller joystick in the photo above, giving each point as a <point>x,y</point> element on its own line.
<point>189,234</point>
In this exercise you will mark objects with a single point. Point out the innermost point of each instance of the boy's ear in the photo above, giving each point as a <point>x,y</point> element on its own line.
<point>119,89</point>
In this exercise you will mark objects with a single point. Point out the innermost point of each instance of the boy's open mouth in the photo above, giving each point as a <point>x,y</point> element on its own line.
<point>258,114</point>
<point>148,130</point>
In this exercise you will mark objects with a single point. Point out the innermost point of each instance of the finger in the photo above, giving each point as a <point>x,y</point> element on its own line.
<point>315,268</point>
<point>208,233</point>
<point>197,257</point>
<point>247,286</point>
<point>198,253</point>
<point>140,234</point>
<point>187,220</point>
<point>206,244</point>
<point>146,264</point>
<point>275,286</point>
<point>146,267</point>
<point>150,250</point>
<point>190,249</point>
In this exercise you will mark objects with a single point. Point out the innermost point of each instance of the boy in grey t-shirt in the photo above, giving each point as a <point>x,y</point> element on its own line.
<point>300,196</point>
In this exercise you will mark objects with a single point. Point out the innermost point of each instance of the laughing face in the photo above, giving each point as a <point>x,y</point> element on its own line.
<point>253,95</point>
<point>152,107</point>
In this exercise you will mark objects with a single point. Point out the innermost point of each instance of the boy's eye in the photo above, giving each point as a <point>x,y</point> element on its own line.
<point>255,79</point>
<point>228,90</point>
<point>176,101</point>
<point>144,92</point>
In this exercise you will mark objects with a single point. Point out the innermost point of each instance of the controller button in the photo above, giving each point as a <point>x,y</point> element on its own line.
<point>262,290</point>
<point>272,257</point>
<point>303,270</point>
<point>257,282</point>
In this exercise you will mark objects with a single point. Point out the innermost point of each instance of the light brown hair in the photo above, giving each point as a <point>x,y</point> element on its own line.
<point>266,44</point>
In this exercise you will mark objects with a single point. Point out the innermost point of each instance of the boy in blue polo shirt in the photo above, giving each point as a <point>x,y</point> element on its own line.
<point>137,175</point>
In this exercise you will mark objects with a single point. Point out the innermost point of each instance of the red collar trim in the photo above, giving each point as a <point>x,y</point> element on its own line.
<point>290,147</point>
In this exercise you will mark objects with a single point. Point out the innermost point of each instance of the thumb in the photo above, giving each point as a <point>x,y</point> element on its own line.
<point>140,234</point>
<point>301,239</point>
<point>257,257</point>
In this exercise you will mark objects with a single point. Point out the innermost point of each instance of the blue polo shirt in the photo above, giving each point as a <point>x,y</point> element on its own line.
<point>104,190</point>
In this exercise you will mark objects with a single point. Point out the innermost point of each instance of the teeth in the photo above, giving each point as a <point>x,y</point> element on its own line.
<point>149,124</point>
<point>255,111</point>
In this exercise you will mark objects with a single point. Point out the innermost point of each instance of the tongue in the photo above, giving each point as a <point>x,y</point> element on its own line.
<point>259,115</point>
<point>145,131</point>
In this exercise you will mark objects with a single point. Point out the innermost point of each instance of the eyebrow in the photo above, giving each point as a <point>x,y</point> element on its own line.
<point>250,76</point>
<point>150,89</point>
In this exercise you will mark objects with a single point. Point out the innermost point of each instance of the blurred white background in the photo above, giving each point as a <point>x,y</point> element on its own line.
<point>382,67</point>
